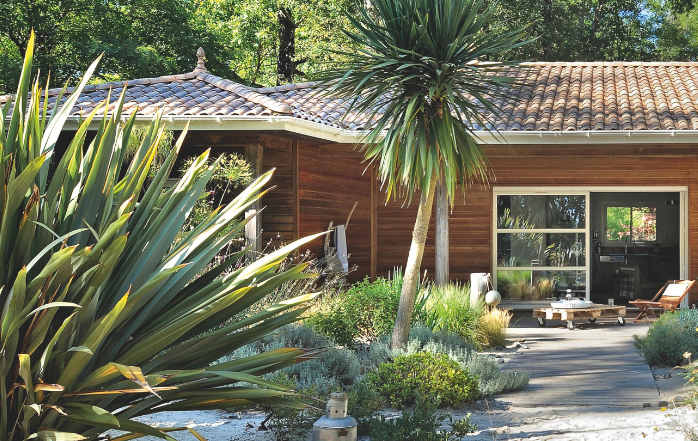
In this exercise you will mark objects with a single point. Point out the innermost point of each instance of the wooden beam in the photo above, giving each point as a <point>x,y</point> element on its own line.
<point>442,242</point>
<point>295,152</point>
<point>254,153</point>
<point>374,223</point>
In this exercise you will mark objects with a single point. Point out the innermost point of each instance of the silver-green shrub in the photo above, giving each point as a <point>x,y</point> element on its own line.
<point>668,338</point>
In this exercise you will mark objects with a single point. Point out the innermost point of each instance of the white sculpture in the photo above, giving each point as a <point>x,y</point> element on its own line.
<point>492,298</point>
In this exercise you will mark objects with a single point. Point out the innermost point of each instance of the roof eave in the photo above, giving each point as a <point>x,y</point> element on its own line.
<point>339,135</point>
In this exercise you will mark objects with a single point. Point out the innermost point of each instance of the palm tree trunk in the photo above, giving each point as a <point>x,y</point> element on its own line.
<point>401,331</point>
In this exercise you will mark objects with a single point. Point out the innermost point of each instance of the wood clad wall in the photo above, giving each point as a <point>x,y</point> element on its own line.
<point>277,216</point>
<point>616,165</point>
<point>524,165</point>
<point>469,234</point>
<point>331,178</point>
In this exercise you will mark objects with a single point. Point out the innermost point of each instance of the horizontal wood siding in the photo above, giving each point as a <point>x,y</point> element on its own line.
<point>469,234</point>
<point>277,217</point>
<point>525,165</point>
<point>617,165</point>
<point>331,179</point>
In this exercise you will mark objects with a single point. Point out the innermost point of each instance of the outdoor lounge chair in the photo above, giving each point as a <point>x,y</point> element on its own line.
<point>668,298</point>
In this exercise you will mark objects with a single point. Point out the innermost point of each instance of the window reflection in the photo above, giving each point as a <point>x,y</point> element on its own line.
<point>541,211</point>
<point>540,285</point>
<point>541,249</point>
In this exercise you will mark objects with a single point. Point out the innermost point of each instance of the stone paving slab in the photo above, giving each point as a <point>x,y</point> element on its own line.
<point>595,364</point>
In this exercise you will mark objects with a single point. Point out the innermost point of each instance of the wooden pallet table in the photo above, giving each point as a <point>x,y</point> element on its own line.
<point>571,314</point>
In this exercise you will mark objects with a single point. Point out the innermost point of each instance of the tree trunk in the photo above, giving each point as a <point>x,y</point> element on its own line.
<point>442,276</point>
<point>401,331</point>
<point>285,67</point>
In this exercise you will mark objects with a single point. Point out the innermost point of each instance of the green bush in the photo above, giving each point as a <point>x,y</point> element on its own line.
<point>367,310</point>
<point>422,424</point>
<point>403,379</point>
<point>331,369</point>
<point>490,379</point>
<point>364,401</point>
<point>451,305</point>
<point>669,337</point>
<point>445,340</point>
<point>364,312</point>
<point>338,369</point>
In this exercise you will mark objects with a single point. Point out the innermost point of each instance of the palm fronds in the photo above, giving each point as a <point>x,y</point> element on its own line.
<point>419,81</point>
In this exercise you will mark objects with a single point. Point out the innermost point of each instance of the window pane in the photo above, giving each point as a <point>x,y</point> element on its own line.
<point>541,211</point>
<point>538,285</point>
<point>541,249</point>
<point>617,223</point>
<point>515,284</point>
<point>644,224</point>
<point>631,223</point>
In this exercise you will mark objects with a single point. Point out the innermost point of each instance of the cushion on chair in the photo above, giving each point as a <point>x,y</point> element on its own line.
<point>674,290</point>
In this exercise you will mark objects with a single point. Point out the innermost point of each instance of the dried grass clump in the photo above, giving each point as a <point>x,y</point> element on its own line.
<point>493,326</point>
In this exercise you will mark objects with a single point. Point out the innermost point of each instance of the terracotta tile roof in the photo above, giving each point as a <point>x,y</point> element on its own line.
<point>554,97</point>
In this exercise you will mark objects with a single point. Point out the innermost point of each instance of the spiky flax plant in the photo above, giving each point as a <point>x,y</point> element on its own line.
<point>108,311</point>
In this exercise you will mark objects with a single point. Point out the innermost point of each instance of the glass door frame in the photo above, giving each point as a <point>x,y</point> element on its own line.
<point>543,191</point>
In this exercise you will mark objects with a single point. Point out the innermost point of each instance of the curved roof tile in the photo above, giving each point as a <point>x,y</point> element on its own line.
<point>552,97</point>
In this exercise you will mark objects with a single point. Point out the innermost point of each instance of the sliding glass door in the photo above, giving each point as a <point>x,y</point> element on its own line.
<point>541,241</point>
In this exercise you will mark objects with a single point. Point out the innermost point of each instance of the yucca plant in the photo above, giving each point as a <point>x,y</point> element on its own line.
<point>108,311</point>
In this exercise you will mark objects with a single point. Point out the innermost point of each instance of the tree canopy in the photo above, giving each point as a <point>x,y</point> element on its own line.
<point>144,38</point>
<point>268,42</point>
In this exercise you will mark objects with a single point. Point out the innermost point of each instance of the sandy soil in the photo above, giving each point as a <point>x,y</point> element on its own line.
<point>213,425</point>
<point>496,422</point>
<point>579,423</point>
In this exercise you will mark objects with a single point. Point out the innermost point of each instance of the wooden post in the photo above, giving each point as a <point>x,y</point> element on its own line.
<point>442,243</point>
<point>374,223</point>
<point>253,229</point>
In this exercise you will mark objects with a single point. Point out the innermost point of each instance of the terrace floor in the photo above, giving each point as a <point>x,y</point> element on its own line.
<point>590,365</point>
<point>586,384</point>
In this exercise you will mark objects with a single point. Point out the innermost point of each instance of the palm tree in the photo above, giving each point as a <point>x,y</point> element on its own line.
<point>417,76</point>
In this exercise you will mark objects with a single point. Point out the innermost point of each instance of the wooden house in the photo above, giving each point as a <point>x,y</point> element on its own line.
<point>596,168</point>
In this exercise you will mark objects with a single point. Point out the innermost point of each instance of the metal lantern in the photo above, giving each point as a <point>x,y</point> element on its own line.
<point>492,298</point>
<point>335,425</point>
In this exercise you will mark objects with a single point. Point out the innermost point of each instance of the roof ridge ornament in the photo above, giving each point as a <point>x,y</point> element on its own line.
<point>200,55</point>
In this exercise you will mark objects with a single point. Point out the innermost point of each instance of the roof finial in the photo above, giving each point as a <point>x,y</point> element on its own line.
<point>200,54</point>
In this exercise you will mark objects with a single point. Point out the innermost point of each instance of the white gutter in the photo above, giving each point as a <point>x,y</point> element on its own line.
<point>334,134</point>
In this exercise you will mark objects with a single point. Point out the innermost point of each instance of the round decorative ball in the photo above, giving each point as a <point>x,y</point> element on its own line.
<point>492,298</point>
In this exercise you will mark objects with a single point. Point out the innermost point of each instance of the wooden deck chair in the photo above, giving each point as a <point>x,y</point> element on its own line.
<point>668,298</point>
